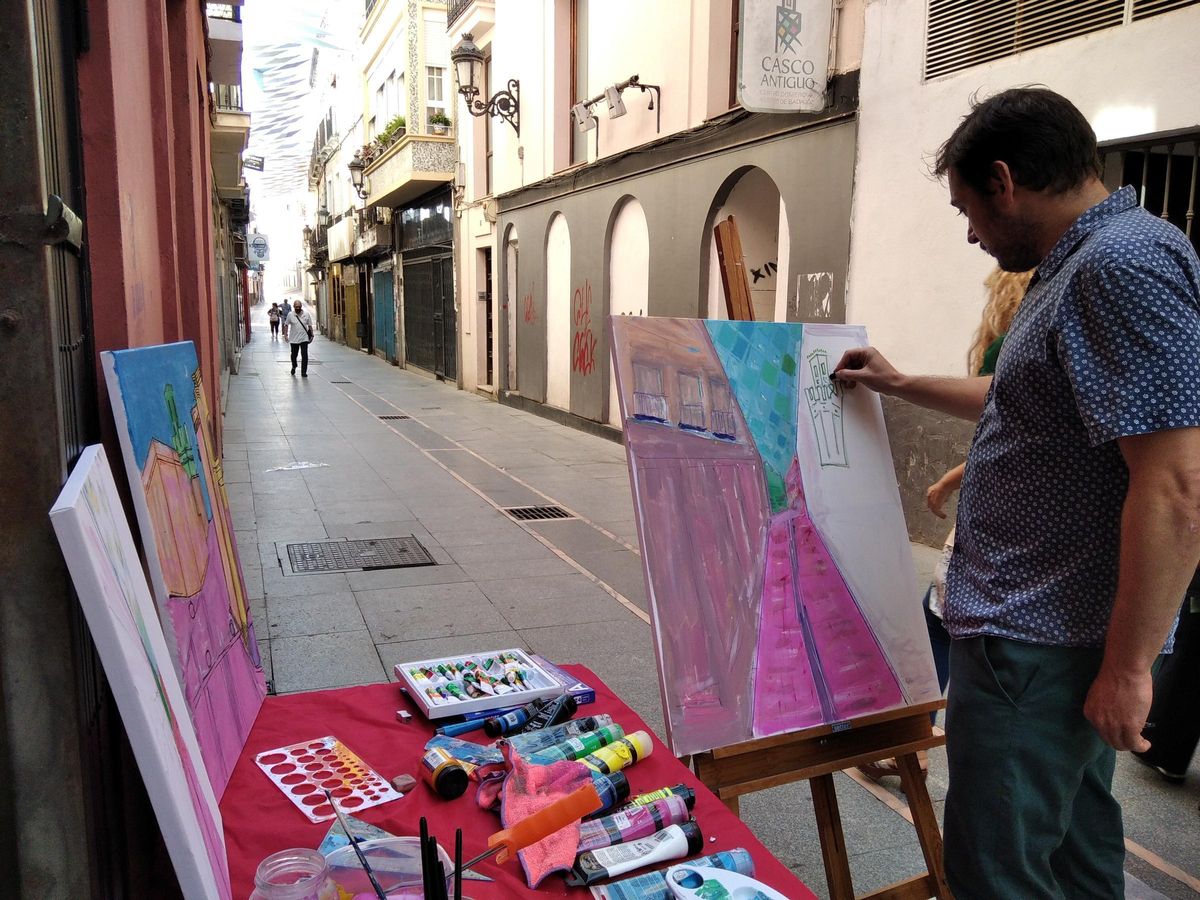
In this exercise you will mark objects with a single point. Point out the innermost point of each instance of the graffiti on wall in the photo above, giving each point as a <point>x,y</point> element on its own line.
<point>528,313</point>
<point>583,341</point>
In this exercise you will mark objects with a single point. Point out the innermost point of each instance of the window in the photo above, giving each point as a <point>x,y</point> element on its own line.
<point>649,402</point>
<point>735,34</point>
<point>1165,171</point>
<point>579,77</point>
<point>691,403</point>
<point>371,129</point>
<point>436,76</point>
<point>965,33</point>
<point>488,150</point>
<point>724,421</point>
<point>381,110</point>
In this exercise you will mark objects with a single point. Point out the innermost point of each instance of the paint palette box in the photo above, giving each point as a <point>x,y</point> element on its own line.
<point>581,691</point>
<point>476,682</point>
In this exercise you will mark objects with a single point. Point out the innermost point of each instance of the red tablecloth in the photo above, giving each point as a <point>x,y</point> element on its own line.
<point>259,819</point>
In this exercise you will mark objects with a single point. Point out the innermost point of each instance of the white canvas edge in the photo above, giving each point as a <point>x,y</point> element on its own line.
<point>163,773</point>
<point>907,647</point>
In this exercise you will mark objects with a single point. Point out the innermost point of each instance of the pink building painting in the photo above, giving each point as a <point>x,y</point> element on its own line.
<point>757,630</point>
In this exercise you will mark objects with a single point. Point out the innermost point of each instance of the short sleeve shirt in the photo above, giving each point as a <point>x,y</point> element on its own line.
<point>1106,344</point>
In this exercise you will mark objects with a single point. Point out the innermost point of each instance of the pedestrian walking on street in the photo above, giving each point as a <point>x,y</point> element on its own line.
<point>1079,512</point>
<point>274,314</point>
<point>298,331</point>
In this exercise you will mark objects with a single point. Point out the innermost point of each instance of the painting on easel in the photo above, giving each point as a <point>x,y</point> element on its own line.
<point>178,490</point>
<point>777,562</point>
<point>98,547</point>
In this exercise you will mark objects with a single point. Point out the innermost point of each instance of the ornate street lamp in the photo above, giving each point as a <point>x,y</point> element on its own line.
<point>323,217</point>
<point>361,186</point>
<point>468,69</point>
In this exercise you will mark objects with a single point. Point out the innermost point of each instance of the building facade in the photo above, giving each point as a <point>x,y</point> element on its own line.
<point>109,136</point>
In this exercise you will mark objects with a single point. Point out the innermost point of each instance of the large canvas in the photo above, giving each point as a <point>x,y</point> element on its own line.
<point>777,562</point>
<point>179,493</point>
<point>103,561</point>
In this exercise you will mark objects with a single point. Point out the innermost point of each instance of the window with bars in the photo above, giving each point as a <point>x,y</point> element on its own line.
<point>724,420</point>
<point>964,33</point>
<point>649,401</point>
<point>691,403</point>
<point>1165,171</point>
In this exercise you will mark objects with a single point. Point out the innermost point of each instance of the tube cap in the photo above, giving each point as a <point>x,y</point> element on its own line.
<point>694,838</point>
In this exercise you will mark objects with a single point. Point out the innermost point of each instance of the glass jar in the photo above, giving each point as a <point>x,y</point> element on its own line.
<point>299,874</point>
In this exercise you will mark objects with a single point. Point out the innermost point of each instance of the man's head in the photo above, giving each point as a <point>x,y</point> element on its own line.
<point>1010,161</point>
<point>297,306</point>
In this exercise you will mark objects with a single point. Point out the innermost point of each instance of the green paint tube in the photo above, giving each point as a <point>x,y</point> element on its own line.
<point>579,747</point>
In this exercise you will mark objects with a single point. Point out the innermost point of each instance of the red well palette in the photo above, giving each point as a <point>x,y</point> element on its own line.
<point>306,770</point>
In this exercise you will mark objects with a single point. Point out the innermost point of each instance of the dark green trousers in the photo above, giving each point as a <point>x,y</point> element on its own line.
<point>1030,812</point>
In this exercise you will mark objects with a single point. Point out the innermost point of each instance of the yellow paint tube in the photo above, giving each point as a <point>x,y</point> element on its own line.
<point>620,754</point>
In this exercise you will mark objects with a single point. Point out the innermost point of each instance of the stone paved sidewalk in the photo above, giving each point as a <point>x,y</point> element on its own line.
<point>398,454</point>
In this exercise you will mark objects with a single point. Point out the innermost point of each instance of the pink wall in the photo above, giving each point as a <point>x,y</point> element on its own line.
<point>145,122</point>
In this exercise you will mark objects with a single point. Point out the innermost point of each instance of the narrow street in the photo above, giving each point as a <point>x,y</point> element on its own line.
<point>392,454</point>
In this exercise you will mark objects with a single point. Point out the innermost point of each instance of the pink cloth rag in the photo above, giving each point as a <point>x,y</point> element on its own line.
<point>529,788</point>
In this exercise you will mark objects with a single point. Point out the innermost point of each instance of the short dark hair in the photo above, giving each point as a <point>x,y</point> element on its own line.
<point>1045,140</point>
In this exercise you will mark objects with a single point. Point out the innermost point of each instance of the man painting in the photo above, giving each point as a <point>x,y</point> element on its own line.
<point>1079,518</point>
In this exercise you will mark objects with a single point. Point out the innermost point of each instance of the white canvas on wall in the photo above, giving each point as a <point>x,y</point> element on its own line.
<point>108,577</point>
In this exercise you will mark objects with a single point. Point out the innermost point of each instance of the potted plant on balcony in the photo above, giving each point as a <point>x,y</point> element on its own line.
<point>392,132</point>
<point>439,124</point>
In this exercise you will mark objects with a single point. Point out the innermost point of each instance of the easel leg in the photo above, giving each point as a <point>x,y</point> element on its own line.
<point>833,843</point>
<point>912,779</point>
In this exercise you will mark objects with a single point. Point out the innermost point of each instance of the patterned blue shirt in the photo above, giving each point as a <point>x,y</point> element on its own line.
<point>1106,344</point>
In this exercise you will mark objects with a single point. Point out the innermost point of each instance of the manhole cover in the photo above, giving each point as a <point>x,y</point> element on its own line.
<point>393,417</point>
<point>357,556</point>
<point>533,513</point>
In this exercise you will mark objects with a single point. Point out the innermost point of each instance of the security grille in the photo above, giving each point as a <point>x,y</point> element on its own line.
<point>964,33</point>
<point>537,513</point>
<point>357,556</point>
<point>1165,172</point>
<point>389,418</point>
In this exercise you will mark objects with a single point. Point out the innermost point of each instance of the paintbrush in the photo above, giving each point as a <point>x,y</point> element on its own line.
<point>458,864</point>
<point>426,874</point>
<point>558,814</point>
<point>357,849</point>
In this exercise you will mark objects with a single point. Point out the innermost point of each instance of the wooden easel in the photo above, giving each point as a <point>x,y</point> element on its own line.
<point>815,754</point>
<point>733,272</point>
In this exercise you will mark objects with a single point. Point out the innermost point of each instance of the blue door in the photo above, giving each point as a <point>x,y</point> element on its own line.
<point>385,315</point>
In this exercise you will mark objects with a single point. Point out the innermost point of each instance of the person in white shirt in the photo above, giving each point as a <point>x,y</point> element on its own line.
<point>298,331</point>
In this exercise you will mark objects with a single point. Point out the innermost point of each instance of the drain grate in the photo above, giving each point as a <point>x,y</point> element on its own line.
<point>340,382</point>
<point>394,417</point>
<point>357,556</point>
<point>538,513</point>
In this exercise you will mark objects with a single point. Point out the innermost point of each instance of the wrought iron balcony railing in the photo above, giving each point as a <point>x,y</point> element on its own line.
<point>455,11</point>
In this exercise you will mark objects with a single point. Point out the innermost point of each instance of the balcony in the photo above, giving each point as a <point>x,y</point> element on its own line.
<point>475,16</point>
<point>374,230</point>
<point>412,166</point>
<point>225,38</point>
<point>230,134</point>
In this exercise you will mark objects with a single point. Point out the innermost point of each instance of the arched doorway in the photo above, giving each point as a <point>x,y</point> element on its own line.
<point>513,301</point>
<point>751,196</point>
<point>628,276</point>
<point>558,313</point>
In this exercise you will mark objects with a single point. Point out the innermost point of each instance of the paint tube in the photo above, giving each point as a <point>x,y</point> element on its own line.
<point>613,790</point>
<point>578,747</point>
<point>620,754</point>
<point>556,711</point>
<point>653,885</point>
<point>532,742</point>
<point>674,842</point>
<point>629,825</point>
<point>679,790</point>
<point>513,721</point>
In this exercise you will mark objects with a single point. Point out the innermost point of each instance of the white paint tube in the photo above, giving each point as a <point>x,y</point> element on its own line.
<point>674,842</point>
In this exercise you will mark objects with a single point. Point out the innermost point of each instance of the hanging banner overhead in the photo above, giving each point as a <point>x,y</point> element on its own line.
<point>783,54</point>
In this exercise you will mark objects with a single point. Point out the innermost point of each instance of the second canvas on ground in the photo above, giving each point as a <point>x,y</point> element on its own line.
<point>777,561</point>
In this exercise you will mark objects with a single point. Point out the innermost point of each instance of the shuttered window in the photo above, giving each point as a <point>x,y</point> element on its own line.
<point>965,33</point>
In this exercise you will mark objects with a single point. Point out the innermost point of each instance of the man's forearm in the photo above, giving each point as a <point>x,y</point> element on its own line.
<point>1160,548</point>
<point>960,397</point>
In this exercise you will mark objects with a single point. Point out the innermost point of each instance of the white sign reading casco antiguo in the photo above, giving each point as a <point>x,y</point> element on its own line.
<point>783,62</point>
